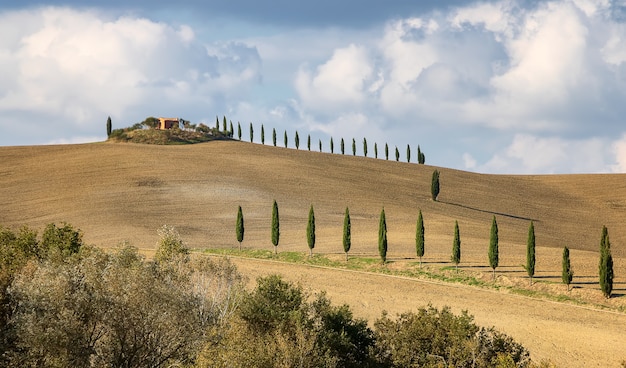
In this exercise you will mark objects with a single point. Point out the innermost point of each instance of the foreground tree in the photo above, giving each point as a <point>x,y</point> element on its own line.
<point>493,247</point>
<point>434,185</point>
<point>275,227</point>
<point>567,274</point>
<point>109,126</point>
<point>382,237</point>
<point>606,264</point>
<point>530,252</point>
<point>347,236</point>
<point>419,237</point>
<point>170,246</point>
<point>239,228</point>
<point>456,246</point>
<point>310,231</point>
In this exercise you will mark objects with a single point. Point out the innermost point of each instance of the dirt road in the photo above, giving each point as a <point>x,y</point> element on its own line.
<point>568,335</point>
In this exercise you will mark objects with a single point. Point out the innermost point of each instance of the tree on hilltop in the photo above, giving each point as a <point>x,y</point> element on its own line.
<point>419,237</point>
<point>109,126</point>
<point>386,152</point>
<point>274,136</point>
<point>217,123</point>
<point>275,227</point>
<point>397,154</point>
<point>332,145</point>
<point>566,274</point>
<point>224,125</point>
<point>353,147</point>
<point>308,142</point>
<point>456,246</point>
<point>297,140</point>
<point>347,236</point>
<point>239,130</point>
<point>285,139</point>
<point>530,252</point>
<point>262,134</point>
<point>434,185</point>
<point>493,247</point>
<point>231,130</point>
<point>375,150</point>
<point>365,147</point>
<point>310,231</point>
<point>408,153</point>
<point>251,133</point>
<point>421,158</point>
<point>239,229</point>
<point>319,141</point>
<point>382,237</point>
<point>606,264</point>
<point>342,147</point>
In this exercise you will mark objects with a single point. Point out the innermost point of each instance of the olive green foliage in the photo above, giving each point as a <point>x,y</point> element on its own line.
<point>109,126</point>
<point>530,252</point>
<point>239,226</point>
<point>434,185</point>
<point>438,338</point>
<point>567,274</point>
<point>606,264</point>
<point>382,237</point>
<point>493,252</point>
<point>456,246</point>
<point>365,147</point>
<point>275,226</point>
<point>170,246</point>
<point>347,235</point>
<point>419,237</point>
<point>61,241</point>
<point>310,231</point>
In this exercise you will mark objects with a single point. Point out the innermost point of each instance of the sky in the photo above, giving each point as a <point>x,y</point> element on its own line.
<point>504,87</point>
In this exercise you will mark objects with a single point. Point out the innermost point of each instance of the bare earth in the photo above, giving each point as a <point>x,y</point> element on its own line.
<point>568,335</point>
<point>124,192</point>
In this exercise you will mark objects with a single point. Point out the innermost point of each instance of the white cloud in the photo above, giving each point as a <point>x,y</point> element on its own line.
<point>619,150</point>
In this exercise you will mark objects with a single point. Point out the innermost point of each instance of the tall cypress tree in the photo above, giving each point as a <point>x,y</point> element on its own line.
<point>320,144</point>
<point>365,147</point>
<point>224,125</point>
<point>408,153</point>
<point>382,237</point>
<point>332,145</point>
<point>109,126</point>
<point>434,185</point>
<point>606,264</point>
<point>274,136</point>
<point>530,252</point>
<point>285,141</point>
<point>239,229</point>
<point>275,227</point>
<point>456,246</point>
<point>231,129</point>
<point>419,237</point>
<point>297,140</point>
<point>375,150</point>
<point>342,147</point>
<point>567,274</point>
<point>494,257</point>
<point>239,130</point>
<point>217,123</point>
<point>262,134</point>
<point>386,152</point>
<point>421,158</point>
<point>310,231</point>
<point>397,154</point>
<point>308,142</point>
<point>347,236</point>
<point>353,147</point>
<point>251,133</point>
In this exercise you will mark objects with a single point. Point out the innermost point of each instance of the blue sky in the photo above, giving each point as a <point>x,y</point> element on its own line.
<point>522,87</point>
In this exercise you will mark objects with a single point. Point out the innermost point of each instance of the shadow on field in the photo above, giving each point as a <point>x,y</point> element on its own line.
<point>491,212</point>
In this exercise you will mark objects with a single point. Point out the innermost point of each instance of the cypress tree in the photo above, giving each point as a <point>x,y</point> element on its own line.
<point>224,126</point>
<point>275,227</point>
<point>274,136</point>
<point>419,237</point>
<point>231,130</point>
<point>493,247</point>
<point>408,153</point>
<point>332,145</point>
<point>421,159</point>
<point>530,252</point>
<point>109,126</point>
<point>239,130</point>
<point>386,152</point>
<point>606,264</point>
<point>308,142</point>
<point>239,229</point>
<point>217,123</point>
<point>285,139</point>
<point>382,237</point>
<point>251,133</point>
<point>456,246</point>
<point>310,231</point>
<point>434,185</point>
<point>397,154</point>
<point>342,147</point>
<point>567,274</point>
<point>262,134</point>
<point>297,139</point>
<point>375,150</point>
<point>347,236</point>
<point>320,144</point>
<point>353,147</point>
<point>364,147</point>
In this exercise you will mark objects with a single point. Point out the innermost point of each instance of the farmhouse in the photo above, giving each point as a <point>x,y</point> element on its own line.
<point>168,123</point>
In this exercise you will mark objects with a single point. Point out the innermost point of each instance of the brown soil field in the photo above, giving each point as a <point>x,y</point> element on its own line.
<point>125,192</point>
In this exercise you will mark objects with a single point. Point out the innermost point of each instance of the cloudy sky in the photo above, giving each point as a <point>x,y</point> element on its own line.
<point>496,87</point>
